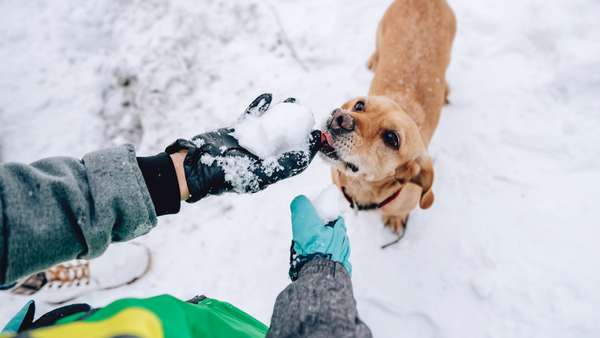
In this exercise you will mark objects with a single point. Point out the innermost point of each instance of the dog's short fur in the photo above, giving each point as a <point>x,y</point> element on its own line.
<point>378,144</point>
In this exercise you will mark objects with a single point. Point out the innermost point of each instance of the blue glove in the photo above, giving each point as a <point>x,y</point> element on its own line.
<point>313,238</point>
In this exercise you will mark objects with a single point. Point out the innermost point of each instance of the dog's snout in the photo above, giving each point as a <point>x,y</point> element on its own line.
<point>341,120</point>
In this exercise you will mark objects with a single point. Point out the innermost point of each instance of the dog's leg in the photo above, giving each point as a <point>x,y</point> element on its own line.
<point>400,236</point>
<point>372,63</point>
<point>396,223</point>
<point>395,214</point>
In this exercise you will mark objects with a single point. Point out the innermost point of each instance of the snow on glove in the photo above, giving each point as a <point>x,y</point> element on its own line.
<point>313,238</point>
<point>216,163</point>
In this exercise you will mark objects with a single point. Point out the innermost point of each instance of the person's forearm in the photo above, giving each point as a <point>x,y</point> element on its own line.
<point>319,304</point>
<point>59,209</point>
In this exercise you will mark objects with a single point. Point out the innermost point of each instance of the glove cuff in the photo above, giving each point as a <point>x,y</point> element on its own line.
<point>298,263</point>
<point>161,180</point>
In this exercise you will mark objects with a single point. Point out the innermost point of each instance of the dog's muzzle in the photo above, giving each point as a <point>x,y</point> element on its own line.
<point>341,121</point>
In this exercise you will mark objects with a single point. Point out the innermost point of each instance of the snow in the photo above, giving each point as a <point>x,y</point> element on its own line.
<point>508,249</point>
<point>200,142</point>
<point>238,171</point>
<point>327,204</point>
<point>283,127</point>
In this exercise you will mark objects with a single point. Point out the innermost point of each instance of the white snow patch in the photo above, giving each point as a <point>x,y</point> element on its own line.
<point>271,165</point>
<point>198,142</point>
<point>284,127</point>
<point>238,171</point>
<point>326,204</point>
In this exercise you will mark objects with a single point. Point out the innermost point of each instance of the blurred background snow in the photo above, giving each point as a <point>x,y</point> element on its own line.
<point>509,248</point>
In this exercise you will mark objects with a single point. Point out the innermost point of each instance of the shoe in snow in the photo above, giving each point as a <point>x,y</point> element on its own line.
<point>120,265</point>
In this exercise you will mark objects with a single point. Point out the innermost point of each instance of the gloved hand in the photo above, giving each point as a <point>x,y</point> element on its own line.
<point>313,238</point>
<point>216,163</point>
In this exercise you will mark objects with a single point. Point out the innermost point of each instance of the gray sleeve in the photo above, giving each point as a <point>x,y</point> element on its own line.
<point>320,303</point>
<point>60,208</point>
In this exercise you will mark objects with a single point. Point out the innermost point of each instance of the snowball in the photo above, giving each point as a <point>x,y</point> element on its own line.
<point>326,204</point>
<point>284,127</point>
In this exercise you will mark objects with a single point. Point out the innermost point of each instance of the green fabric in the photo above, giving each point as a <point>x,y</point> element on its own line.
<point>311,235</point>
<point>210,318</point>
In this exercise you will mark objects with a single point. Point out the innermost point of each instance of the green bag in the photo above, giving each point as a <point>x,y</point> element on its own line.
<point>156,317</point>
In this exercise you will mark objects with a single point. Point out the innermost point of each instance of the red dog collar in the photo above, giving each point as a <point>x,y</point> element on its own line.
<point>373,206</point>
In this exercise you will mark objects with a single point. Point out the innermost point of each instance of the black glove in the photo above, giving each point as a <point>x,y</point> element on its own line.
<point>216,163</point>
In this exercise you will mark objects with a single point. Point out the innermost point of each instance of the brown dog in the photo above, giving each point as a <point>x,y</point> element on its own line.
<point>378,144</point>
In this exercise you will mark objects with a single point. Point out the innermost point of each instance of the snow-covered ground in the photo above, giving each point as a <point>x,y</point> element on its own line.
<point>510,246</point>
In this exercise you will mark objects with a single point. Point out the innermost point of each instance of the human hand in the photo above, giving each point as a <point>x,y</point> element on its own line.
<point>216,163</point>
<point>313,238</point>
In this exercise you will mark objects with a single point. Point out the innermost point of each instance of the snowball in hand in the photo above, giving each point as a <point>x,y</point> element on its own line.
<point>326,204</point>
<point>284,127</point>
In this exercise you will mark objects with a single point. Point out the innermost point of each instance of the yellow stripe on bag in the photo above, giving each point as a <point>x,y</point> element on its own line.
<point>132,321</point>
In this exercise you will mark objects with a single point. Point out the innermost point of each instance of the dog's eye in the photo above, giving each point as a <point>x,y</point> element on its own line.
<point>359,106</point>
<point>391,139</point>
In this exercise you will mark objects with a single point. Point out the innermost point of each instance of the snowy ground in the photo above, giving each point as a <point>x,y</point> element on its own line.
<point>510,246</point>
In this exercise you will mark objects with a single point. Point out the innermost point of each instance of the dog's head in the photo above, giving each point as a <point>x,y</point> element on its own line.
<point>372,138</point>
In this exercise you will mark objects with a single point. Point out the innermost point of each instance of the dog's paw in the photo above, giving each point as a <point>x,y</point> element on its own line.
<point>395,223</point>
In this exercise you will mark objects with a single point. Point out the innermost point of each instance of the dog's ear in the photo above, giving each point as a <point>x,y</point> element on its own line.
<point>423,177</point>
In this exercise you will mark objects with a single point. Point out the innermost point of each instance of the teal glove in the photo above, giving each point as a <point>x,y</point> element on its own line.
<point>313,238</point>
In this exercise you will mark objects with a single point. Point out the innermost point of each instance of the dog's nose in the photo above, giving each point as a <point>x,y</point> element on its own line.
<point>341,120</point>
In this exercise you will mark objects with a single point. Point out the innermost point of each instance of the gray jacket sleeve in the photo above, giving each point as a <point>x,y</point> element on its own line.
<point>320,303</point>
<point>60,208</point>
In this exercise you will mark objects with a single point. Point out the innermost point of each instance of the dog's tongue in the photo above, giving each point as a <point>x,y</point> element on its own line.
<point>326,138</point>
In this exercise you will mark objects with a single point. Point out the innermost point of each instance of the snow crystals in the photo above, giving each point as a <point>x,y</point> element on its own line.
<point>284,127</point>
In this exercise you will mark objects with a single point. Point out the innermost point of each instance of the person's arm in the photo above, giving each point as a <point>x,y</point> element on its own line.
<point>320,301</point>
<point>60,208</point>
